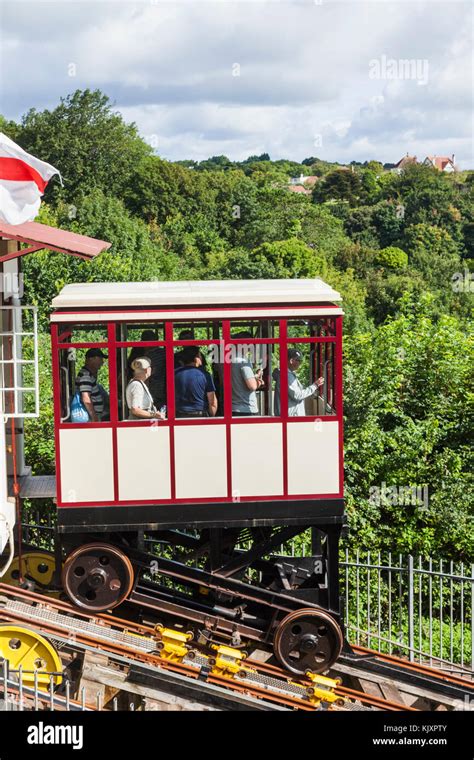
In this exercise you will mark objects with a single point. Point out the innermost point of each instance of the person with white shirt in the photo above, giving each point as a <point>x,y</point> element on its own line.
<point>297,393</point>
<point>138,395</point>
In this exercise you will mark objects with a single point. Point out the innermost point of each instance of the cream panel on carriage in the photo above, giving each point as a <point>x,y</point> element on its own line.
<point>87,469</point>
<point>313,457</point>
<point>143,463</point>
<point>257,459</point>
<point>200,461</point>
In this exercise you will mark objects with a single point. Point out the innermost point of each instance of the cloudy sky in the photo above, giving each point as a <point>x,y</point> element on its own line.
<point>338,79</point>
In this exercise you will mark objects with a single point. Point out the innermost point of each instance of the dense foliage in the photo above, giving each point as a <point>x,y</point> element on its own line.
<point>399,247</point>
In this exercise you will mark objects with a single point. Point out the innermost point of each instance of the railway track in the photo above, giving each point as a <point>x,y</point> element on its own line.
<point>415,667</point>
<point>437,686</point>
<point>135,644</point>
<point>345,692</point>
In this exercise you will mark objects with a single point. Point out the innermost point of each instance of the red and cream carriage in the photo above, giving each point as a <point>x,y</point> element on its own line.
<point>211,480</point>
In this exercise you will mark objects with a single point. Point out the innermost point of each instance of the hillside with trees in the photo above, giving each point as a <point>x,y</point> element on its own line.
<point>399,247</point>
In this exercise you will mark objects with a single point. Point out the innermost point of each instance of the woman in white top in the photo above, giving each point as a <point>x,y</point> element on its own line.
<point>139,398</point>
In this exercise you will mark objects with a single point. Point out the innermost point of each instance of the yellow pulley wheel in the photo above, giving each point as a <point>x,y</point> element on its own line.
<point>37,566</point>
<point>23,646</point>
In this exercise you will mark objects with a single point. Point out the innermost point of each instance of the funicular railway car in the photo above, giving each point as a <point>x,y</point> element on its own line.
<point>219,489</point>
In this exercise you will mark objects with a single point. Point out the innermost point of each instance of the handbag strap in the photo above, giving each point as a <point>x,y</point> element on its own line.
<point>147,390</point>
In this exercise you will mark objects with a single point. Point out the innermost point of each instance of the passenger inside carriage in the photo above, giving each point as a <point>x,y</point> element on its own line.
<point>178,357</point>
<point>195,392</point>
<point>93,395</point>
<point>245,382</point>
<point>138,395</point>
<point>138,351</point>
<point>157,377</point>
<point>297,393</point>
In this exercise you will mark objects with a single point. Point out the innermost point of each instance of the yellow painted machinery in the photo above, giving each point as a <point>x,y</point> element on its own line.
<point>25,649</point>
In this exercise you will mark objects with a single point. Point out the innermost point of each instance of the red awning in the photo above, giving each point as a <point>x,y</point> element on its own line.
<point>42,236</point>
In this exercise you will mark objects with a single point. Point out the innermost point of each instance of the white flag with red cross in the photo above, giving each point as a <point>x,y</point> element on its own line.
<point>23,179</point>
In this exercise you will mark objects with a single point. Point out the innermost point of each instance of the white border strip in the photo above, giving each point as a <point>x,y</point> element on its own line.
<point>133,316</point>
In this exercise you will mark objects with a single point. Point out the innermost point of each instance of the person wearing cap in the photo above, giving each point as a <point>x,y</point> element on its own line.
<point>139,399</point>
<point>93,396</point>
<point>297,393</point>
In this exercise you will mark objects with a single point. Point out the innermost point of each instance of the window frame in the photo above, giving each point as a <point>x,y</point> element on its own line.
<point>113,345</point>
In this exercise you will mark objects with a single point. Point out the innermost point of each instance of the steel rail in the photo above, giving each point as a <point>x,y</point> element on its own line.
<point>415,666</point>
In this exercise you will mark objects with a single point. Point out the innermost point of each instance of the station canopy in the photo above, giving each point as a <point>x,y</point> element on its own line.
<point>109,294</point>
<point>39,236</point>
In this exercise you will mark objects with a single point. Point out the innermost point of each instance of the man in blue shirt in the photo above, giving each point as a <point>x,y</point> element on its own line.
<point>195,392</point>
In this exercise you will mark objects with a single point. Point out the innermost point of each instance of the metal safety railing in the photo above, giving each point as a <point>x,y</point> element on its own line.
<point>411,606</point>
<point>22,690</point>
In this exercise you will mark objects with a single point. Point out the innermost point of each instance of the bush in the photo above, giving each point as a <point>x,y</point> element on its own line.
<point>392,257</point>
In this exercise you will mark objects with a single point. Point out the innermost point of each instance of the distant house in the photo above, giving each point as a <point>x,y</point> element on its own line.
<point>299,189</point>
<point>302,184</point>
<point>442,163</point>
<point>403,163</point>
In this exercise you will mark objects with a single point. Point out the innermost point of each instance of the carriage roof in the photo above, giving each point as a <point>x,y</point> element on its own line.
<point>191,293</point>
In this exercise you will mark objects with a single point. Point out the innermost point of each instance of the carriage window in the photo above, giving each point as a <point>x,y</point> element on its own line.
<point>197,330</point>
<point>84,385</point>
<point>88,333</point>
<point>141,385</point>
<point>256,328</point>
<point>318,327</point>
<point>254,369</point>
<point>137,332</point>
<point>310,379</point>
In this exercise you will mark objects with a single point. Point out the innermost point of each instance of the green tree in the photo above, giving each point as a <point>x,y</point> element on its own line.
<point>427,196</point>
<point>161,189</point>
<point>340,184</point>
<point>376,167</point>
<point>392,257</point>
<point>280,259</point>
<point>370,186</point>
<point>216,163</point>
<point>408,407</point>
<point>276,214</point>
<point>387,289</point>
<point>10,128</point>
<point>388,222</point>
<point>87,142</point>
<point>433,253</point>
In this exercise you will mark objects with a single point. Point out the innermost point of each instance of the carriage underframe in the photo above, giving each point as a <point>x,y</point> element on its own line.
<point>224,579</point>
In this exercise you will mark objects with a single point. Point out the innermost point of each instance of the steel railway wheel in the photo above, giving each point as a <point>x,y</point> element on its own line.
<point>22,646</point>
<point>97,577</point>
<point>308,639</point>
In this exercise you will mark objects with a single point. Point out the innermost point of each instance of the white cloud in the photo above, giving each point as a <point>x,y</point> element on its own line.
<point>304,86</point>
